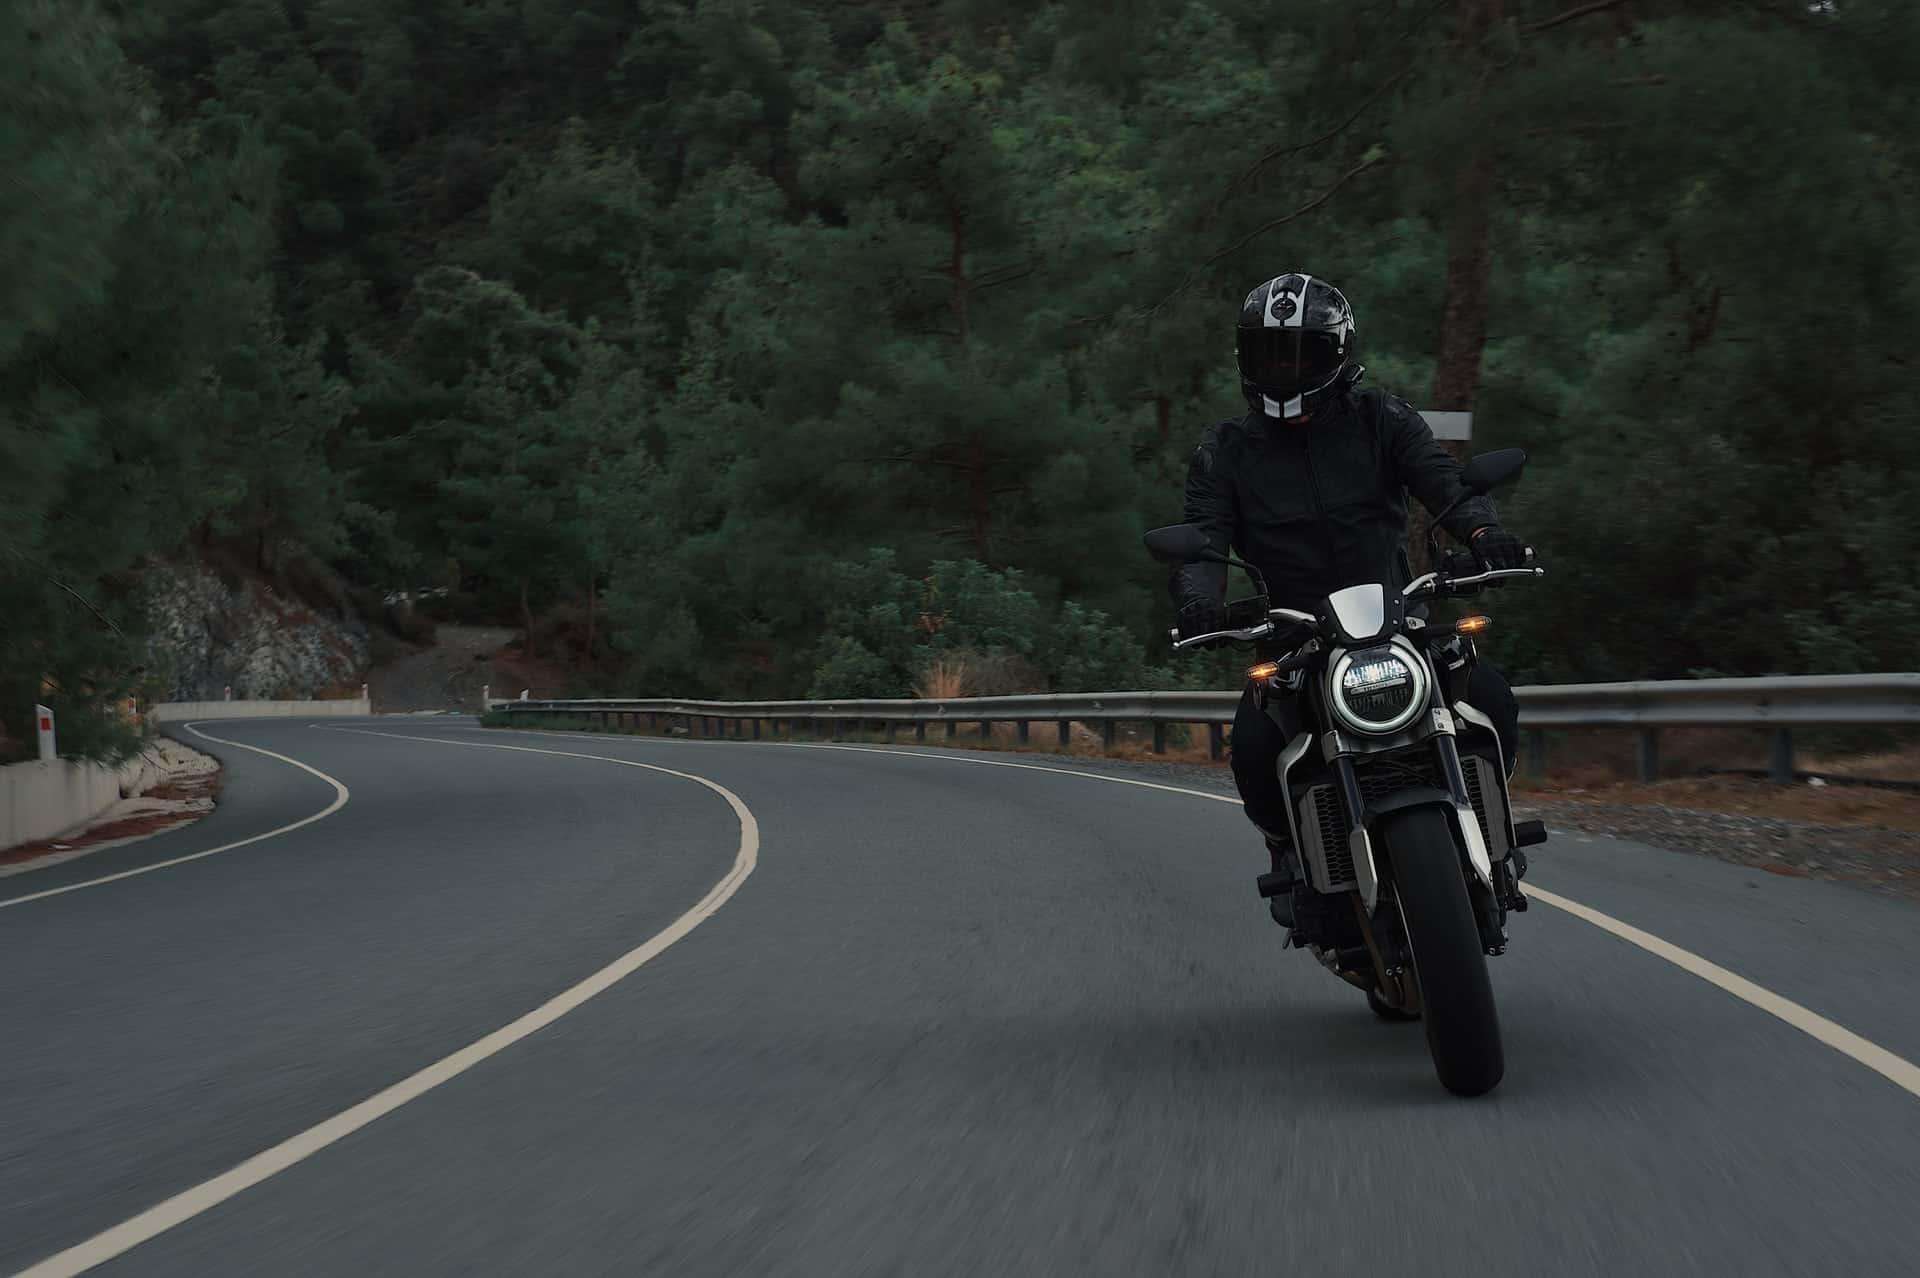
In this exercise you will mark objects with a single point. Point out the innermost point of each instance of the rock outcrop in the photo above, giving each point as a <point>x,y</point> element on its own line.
<point>208,635</point>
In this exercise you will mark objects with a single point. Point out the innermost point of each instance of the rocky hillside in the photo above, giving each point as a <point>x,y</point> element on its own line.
<point>209,633</point>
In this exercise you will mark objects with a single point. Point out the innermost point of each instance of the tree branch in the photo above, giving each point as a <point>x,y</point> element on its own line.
<point>921,461</point>
<point>1003,279</point>
<point>1302,211</point>
<point>1578,11</point>
<point>1275,152</point>
<point>84,602</point>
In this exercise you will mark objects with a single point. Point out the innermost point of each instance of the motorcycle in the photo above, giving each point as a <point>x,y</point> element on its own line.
<point>1397,789</point>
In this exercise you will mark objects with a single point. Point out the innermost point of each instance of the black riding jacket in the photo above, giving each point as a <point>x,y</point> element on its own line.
<point>1321,505</point>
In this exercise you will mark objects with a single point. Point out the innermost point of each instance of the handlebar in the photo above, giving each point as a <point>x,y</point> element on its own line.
<point>1433,584</point>
<point>1253,632</point>
<point>1419,588</point>
<point>1266,629</point>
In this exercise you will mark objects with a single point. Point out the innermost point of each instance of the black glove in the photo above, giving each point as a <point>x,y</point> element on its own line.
<point>1202,617</point>
<point>1495,547</point>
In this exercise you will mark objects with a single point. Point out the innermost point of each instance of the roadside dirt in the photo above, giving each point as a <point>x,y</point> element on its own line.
<point>445,675</point>
<point>1833,804</point>
<point>188,785</point>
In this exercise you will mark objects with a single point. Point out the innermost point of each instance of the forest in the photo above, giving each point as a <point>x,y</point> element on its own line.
<point>745,348</point>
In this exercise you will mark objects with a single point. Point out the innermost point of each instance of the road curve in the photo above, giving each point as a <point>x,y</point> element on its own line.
<point>960,1020</point>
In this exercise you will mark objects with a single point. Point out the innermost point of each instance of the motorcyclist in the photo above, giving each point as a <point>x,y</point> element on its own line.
<point>1310,487</point>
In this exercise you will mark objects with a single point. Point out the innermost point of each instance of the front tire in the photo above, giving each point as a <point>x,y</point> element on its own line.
<point>1463,1028</point>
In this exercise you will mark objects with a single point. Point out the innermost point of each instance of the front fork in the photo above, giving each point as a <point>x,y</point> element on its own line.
<point>1485,894</point>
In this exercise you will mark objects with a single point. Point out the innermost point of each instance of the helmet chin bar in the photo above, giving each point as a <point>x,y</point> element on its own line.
<point>1295,407</point>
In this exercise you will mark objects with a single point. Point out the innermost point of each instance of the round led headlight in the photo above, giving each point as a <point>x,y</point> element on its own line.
<point>1379,690</point>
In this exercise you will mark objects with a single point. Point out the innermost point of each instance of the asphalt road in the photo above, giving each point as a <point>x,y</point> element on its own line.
<point>960,1018</point>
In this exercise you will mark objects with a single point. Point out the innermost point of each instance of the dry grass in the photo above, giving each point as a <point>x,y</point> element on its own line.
<point>946,677</point>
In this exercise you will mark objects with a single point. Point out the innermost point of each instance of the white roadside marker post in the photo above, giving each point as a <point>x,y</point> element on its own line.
<point>1454,427</point>
<point>43,717</point>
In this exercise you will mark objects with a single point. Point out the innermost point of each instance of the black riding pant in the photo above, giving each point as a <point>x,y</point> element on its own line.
<point>1257,742</point>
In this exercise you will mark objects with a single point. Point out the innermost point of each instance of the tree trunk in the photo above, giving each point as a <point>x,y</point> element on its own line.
<point>1463,321</point>
<point>978,495</point>
<point>1463,318</point>
<point>526,615</point>
<point>957,269</point>
<point>590,584</point>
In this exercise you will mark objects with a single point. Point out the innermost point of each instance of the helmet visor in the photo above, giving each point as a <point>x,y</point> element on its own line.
<point>1285,362</point>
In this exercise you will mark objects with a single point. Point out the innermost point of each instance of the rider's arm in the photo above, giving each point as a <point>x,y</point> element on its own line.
<point>1210,504</point>
<point>1430,472</point>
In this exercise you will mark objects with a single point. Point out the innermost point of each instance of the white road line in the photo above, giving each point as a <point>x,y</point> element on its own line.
<point>340,796</point>
<point>1896,1069</point>
<point>185,1206</point>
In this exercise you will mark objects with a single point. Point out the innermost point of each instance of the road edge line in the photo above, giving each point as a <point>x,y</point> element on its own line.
<point>302,1145</point>
<point>340,797</point>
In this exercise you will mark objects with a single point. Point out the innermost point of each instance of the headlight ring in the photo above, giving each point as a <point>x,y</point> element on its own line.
<point>1378,690</point>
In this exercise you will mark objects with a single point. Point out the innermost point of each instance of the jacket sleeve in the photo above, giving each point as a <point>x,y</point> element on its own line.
<point>1210,504</point>
<point>1430,472</point>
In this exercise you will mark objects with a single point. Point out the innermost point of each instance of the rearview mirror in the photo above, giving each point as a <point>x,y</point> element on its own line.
<point>1488,471</point>
<point>1180,544</point>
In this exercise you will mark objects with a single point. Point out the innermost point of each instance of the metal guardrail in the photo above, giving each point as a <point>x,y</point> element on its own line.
<point>1781,703</point>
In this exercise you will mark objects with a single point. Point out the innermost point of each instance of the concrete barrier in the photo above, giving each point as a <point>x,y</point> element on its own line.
<point>41,799</point>
<point>181,711</point>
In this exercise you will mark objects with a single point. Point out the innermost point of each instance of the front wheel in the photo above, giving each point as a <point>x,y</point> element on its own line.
<point>1463,1029</point>
<point>1387,1011</point>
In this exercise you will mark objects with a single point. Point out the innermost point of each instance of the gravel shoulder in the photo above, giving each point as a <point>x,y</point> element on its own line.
<point>1872,856</point>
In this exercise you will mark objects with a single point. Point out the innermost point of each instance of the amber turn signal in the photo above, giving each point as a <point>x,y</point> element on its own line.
<point>1472,625</point>
<point>1265,670</point>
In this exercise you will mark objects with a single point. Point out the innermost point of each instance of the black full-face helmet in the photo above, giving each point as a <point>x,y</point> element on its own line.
<point>1297,343</point>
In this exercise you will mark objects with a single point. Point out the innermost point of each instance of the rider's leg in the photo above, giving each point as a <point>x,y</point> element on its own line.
<point>1257,742</point>
<point>1255,755</point>
<point>1490,694</point>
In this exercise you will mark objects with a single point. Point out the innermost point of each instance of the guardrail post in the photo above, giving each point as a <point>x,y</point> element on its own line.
<point>1021,729</point>
<point>1216,741</point>
<point>756,729</point>
<point>1159,737</point>
<point>920,730</point>
<point>890,727</point>
<point>1649,754</point>
<point>1066,733</point>
<point>1106,733</point>
<point>953,729</point>
<point>836,729</point>
<point>1780,756</point>
<point>1536,752</point>
<point>986,730</point>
